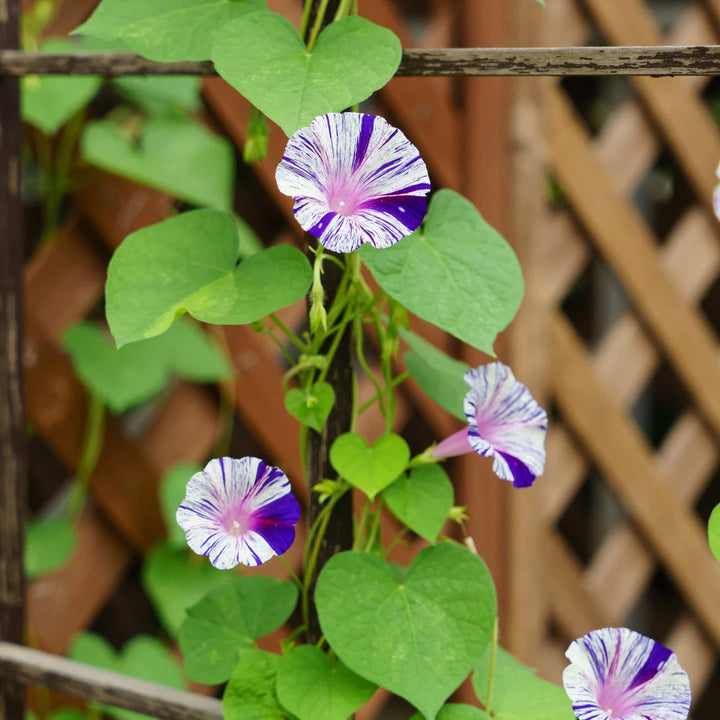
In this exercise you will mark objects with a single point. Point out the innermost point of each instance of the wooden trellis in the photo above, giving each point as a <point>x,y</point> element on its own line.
<point>498,146</point>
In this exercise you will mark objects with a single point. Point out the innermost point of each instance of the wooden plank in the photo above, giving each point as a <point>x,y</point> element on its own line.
<point>13,449</point>
<point>621,453</point>
<point>686,123</point>
<point>629,248</point>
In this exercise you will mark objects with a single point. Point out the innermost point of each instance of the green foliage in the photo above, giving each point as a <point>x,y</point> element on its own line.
<point>49,101</point>
<point>172,492</point>
<point>456,272</point>
<point>369,469</point>
<point>142,657</point>
<point>127,377</point>
<point>158,95</point>
<point>250,694</point>
<point>311,407</point>
<point>189,264</point>
<point>418,635</point>
<point>263,57</point>
<point>176,579</point>
<point>314,687</point>
<point>174,154</point>
<point>226,622</point>
<point>457,711</point>
<point>421,500</point>
<point>438,375</point>
<point>517,693</point>
<point>714,531</point>
<point>49,543</point>
<point>166,30</point>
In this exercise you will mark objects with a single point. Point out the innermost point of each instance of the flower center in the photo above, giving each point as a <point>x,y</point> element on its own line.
<point>237,522</point>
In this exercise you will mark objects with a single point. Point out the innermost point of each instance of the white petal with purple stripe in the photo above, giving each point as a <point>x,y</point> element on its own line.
<point>506,423</point>
<point>355,179</point>
<point>618,674</point>
<point>239,512</point>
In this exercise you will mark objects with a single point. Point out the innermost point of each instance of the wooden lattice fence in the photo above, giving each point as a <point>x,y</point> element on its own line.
<point>504,143</point>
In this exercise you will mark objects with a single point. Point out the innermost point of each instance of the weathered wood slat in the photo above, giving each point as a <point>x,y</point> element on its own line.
<point>90,683</point>
<point>652,60</point>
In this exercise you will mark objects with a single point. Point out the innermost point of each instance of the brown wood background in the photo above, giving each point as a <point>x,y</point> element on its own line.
<point>618,317</point>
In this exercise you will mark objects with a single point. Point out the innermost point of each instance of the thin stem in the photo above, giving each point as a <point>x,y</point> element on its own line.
<point>91,447</point>
<point>305,17</point>
<point>375,527</point>
<point>343,9</point>
<point>289,334</point>
<point>318,24</point>
<point>291,572</point>
<point>364,365</point>
<point>491,669</point>
<point>398,380</point>
<point>395,541</point>
<point>360,530</point>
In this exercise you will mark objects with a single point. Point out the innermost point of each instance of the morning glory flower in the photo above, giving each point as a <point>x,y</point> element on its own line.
<point>504,422</point>
<point>355,179</point>
<point>618,674</point>
<point>238,512</point>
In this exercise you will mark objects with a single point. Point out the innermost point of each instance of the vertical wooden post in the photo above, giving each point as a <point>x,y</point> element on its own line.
<point>339,534</point>
<point>12,420</point>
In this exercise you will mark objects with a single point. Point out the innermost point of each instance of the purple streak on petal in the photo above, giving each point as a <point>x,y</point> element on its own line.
<point>278,537</point>
<point>409,210</point>
<point>522,476</point>
<point>455,444</point>
<point>658,657</point>
<point>285,510</point>
<point>319,229</point>
<point>367,125</point>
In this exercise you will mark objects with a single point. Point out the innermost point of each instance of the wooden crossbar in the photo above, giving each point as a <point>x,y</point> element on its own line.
<point>654,61</point>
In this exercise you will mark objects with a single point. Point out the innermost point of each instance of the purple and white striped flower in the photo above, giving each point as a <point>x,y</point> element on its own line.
<point>504,422</point>
<point>618,674</point>
<point>238,512</point>
<point>354,179</point>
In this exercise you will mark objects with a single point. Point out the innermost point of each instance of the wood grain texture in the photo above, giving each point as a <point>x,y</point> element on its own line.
<point>90,683</point>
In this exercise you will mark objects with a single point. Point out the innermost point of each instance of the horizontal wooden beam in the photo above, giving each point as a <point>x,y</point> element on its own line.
<point>656,61</point>
<point>33,667</point>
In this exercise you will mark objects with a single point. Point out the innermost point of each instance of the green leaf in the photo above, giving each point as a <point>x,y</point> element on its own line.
<point>369,469</point>
<point>169,95</point>
<point>312,687</point>
<point>714,532</point>
<point>311,407</point>
<point>172,492</point>
<point>250,694</point>
<point>49,101</point>
<point>421,500</point>
<point>127,377</point>
<point>176,579</point>
<point>189,264</point>
<point>174,154</point>
<point>263,56</point>
<point>438,375</point>
<point>49,543</point>
<point>418,635</point>
<point>456,272</point>
<point>142,657</point>
<point>227,621</point>
<point>166,30</point>
<point>457,711</point>
<point>517,693</point>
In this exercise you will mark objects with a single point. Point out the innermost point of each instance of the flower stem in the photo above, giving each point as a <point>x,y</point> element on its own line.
<point>344,9</point>
<point>289,334</point>
<point>491,669</point>
<point>91,447</point>
<point>317,25</point>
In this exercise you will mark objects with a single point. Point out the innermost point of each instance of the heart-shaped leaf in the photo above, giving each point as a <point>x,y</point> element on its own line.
<point>174,154</point>
<point>517,694</point>
<point>714,531</point>
<point>263,57</point>
<point>189,264</point>
<point>158,95</point>
<point>49,101</point>
<point>421,500</point>
<point>227,621</point>
<point>175,580</point>
<point>124,378</point>
<point>166,30</point>
<point>311,407</point>
<point>312,687</point>
<point>456,272</point>
<point>49,543</point>
<point>439,376</point>
<point>142,657</point>
<point>251,694</point>
<point>417,635</point>
<point>369,469</point>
